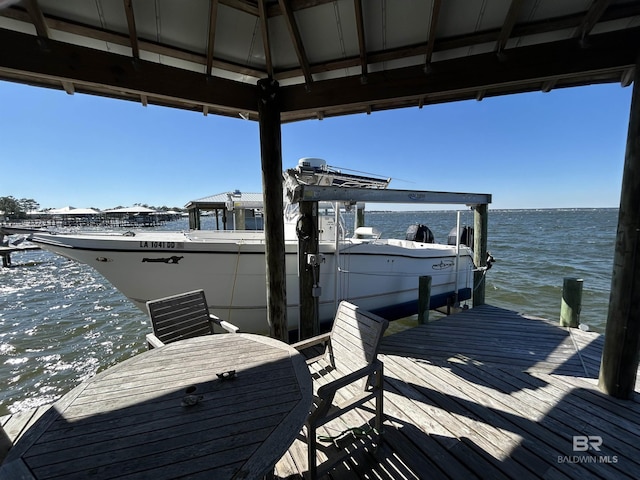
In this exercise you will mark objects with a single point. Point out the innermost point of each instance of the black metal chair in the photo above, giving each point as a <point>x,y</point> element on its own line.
<point>182,316</point>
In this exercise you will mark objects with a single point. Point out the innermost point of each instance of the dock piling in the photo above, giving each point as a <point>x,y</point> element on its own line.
<point>424,298</point>
<point>571,302</point>
<point>480,232</point>
<point>621,353</point>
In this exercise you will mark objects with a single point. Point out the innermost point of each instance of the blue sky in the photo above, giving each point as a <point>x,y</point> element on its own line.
<point>563,149</point>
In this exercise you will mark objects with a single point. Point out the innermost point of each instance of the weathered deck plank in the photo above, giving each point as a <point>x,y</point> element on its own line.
<point>486,393</point>
<point>490,393</point>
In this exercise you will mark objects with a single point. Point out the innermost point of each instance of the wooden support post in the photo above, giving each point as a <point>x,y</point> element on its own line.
<point>271,155</point>
<point>424,299</point>
<point>309,270</point>
<point>571,302</point>
<point>480,231</point>
<point>194,219</point>
<point>622,334</point>
<point>238,218</point>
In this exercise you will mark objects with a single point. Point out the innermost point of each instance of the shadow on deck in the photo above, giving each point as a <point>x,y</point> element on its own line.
<point>489,393</point>
<point>486,393</point>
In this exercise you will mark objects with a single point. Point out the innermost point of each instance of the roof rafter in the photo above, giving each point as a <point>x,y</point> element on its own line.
<point>264,29</point>
<point>213,16</point>
<point>507,26</point>
<point>362,45</point>
<point>294,32</point>
<point>487,36</point>
<point>37,18</point>
<point>275,8</point>
<point>595,12</point>
<point>244,6</point>
<point>119,39</point>
<point>433,27</point>
<point>131,24</point>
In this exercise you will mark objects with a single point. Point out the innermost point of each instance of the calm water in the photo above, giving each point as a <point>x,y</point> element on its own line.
<point>61,322</point>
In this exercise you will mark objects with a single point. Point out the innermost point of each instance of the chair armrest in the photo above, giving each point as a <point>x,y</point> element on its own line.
<point>310,342</point>
<point>229,327</point>
<point>329,390</point>
<point>153,341</point>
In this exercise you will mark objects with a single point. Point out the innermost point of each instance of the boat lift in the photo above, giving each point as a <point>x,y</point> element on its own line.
<point>308,196</point>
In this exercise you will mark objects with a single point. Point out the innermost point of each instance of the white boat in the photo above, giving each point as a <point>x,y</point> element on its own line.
<point>378,274</point>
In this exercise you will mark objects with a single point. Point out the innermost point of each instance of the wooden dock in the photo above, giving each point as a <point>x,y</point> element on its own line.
<point>5,253</point>
<point>485,393</point>
<point>489,393</point>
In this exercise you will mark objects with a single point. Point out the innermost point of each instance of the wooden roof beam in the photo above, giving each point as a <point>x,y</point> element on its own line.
<point>548,85</point>
<point>609,54</point>
<point>116,76</point>
<point>361,39</point>
<point>131,25</point>
<point>431,39</point>
<point>627,77</point>
<point>68,87</point>
<point>213,16</point>
<point>294,32</point>
<point>595,12</point>
<point>264,28</point>
<point>507,26</point>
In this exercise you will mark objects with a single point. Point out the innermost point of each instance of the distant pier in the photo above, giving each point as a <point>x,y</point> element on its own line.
<point>5,252</point>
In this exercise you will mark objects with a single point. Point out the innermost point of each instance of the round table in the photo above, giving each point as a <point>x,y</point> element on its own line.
<point>217,406</point>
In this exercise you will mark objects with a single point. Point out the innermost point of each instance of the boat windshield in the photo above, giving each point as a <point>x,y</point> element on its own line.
<point>326,219</point>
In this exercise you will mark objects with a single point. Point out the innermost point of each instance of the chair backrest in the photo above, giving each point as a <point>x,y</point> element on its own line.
<point>180,316</point>
<point>5,444</point>
<point>355,337</point>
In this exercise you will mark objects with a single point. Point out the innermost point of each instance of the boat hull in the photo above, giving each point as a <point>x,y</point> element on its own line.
<point>380,276</point>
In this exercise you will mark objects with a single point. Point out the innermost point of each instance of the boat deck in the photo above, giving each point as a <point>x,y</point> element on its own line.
<point>485,393</point>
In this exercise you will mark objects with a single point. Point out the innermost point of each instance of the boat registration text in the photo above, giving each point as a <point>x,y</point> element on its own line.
<point>153,244</point>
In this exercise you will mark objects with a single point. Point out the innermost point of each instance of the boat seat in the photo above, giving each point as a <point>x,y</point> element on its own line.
<point>181,316</point>
<point>350,365</point>
<point>368,233</point>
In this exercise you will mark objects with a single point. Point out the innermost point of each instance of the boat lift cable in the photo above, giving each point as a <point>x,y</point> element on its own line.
<point>235,278</point>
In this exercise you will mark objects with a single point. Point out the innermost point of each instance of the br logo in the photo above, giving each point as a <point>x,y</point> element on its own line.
<point>583,443</point>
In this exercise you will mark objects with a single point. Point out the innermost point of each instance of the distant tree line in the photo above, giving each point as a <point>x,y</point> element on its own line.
<point>15,209</point>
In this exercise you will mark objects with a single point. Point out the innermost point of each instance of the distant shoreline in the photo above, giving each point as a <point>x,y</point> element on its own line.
<point>550,209</point>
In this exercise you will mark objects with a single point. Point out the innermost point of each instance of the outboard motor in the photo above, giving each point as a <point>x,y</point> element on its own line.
<point>419,233</point>
<point>466,236</point>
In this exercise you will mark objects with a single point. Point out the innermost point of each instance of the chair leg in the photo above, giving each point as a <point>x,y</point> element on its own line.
<point>311,451</point>
<point>379,397</point>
